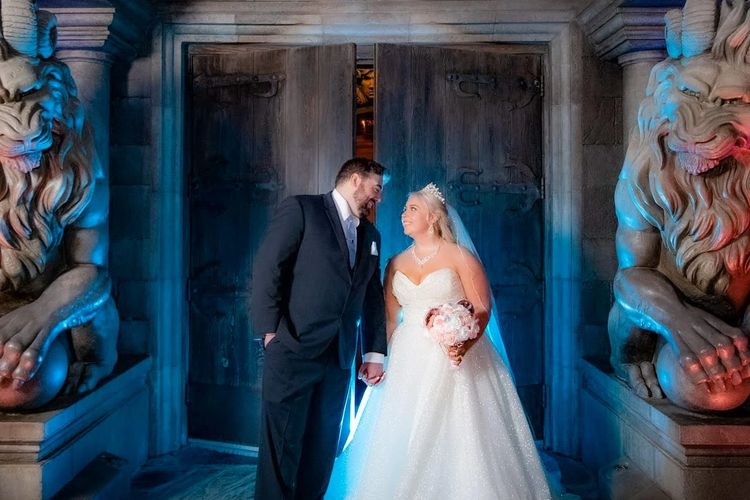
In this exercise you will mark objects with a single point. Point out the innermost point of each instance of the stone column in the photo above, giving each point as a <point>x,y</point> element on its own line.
<point>92,35</point>
<point>91,71</point>
<point>636,69</point>
<point>632,36</point>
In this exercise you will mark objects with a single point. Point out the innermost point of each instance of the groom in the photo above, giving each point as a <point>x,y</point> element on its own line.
<point>316,274</point>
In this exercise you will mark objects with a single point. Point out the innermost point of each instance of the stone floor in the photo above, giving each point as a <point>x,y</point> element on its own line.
<point>195,473</point>
<point>200,474</point>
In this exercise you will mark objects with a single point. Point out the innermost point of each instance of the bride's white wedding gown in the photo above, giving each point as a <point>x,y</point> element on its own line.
<point>432,431</point>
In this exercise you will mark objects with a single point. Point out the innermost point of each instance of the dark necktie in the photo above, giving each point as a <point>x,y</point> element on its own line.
<point>351,239</point>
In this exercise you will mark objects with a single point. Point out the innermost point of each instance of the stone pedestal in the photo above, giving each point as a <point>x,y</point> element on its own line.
<point>689,455</point>
<point>42,452</point>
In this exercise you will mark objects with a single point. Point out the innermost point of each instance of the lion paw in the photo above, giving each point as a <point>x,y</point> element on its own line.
<point>84,376</point>
<point>642,380</point>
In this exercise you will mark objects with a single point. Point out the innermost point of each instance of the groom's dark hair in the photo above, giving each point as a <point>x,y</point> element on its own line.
<point>361,166</point>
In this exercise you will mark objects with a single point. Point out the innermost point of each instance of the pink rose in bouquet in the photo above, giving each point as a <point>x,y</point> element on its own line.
<point>452,324</point>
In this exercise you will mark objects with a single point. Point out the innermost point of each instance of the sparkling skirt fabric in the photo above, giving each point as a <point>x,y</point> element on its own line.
<point>435,432</point>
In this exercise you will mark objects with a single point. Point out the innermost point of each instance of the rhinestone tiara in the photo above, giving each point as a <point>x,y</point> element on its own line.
<point>433,190</point>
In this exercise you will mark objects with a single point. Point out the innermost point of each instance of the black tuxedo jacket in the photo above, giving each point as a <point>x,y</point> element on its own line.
<point>303,288</point>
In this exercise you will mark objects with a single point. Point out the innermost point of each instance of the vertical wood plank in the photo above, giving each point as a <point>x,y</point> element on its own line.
<point>301,123</point>
<point>247,151</point>
<point>429,116</point>
<point>394,100</point>
<point>335,73</point>
<point>478,149</point>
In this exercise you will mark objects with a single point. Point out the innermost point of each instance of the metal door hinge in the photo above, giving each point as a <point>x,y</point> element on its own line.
<point>539,85</point>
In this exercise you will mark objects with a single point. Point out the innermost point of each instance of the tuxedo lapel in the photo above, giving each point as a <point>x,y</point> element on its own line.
<point>363,244</point>
<point>333,217</point>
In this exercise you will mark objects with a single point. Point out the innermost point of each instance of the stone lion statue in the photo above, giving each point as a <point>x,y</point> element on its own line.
<point>58,321</point>
<point>680,322</point>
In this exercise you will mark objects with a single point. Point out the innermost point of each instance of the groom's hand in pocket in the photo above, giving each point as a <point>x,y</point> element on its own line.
<point>371,373</point>
<point>267,338</point>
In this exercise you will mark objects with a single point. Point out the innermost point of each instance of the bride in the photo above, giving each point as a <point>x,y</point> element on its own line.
<point>430,430</point>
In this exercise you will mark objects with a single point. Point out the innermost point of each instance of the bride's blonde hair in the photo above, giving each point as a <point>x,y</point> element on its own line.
<point>435,202</point>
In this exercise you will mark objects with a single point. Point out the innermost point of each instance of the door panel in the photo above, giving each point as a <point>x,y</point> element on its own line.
<point>470,120</point>
<point>264,123</point>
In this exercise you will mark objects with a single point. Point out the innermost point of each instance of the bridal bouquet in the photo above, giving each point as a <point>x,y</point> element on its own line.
<point>452,324</point>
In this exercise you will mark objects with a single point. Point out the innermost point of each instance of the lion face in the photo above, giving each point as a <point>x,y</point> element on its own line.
<point>705,104</point>
<point>32,95</point>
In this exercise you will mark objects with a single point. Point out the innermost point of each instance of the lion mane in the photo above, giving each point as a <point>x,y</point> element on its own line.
<point>703,219</point>
<point>36,206</point>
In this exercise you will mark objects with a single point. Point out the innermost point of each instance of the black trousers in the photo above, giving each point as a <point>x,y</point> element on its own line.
<point>303,404</point>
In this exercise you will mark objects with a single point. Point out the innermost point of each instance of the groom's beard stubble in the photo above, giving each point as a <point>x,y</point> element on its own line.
<point>360,198</point>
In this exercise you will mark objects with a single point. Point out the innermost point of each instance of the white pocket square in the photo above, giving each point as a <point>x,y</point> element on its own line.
<point>374,249</point>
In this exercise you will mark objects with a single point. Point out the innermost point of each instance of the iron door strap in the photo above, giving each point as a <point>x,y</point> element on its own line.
<point>518,91</point>
<point>264,85</point>
<point>470,189</point>
<point>459,80</point>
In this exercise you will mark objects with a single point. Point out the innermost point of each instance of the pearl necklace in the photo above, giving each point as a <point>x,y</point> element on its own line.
<point>423,260</point>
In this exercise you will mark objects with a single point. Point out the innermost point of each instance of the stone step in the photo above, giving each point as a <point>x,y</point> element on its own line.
<point>107,477</point>
<point>690,456</point>
<point>622,480</point>
<point>41,452</point>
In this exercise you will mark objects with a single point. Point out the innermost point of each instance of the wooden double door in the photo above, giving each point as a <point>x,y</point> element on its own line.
<point>266,122</point>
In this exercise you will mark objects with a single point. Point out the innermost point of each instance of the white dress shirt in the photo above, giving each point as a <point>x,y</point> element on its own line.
<point>345,212</point>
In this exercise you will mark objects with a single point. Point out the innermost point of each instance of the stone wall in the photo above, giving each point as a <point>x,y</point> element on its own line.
<point>603,153</point>
<point>626,40</point>
<point>131,167</point>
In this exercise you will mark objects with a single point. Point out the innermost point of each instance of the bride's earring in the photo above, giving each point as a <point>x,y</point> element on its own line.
<point>431,230</point>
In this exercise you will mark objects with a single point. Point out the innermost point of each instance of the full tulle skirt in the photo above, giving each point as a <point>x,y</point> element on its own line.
<point>437,432</point>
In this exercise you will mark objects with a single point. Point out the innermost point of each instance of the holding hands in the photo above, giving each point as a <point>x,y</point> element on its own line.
<point>371,373</point>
